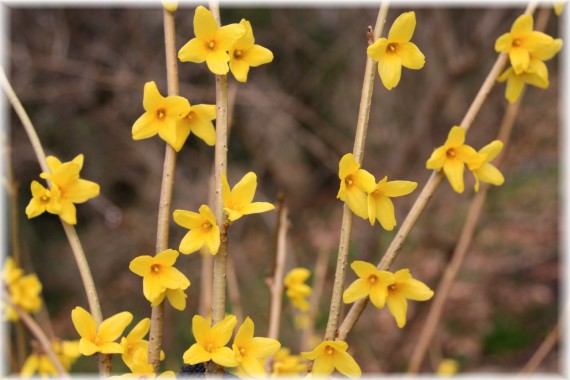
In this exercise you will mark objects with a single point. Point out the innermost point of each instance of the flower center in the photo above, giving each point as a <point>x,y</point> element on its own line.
<point>516,42</point>
<point>451,153</point>
<point>237,53</point>
<point>391,48</point>
<point>190,116</point>
<point>211,45</point>
<point>155,268</point>
<point>329,350</point>
<point>242,350</point>
<point>45,197</point>
<point>161,113</point>
<point>348,180</point>
<point>98,341</point>
<point>206,226</point>
<point>392,287</point>
<point>209,347</point>
<point>372,279</point>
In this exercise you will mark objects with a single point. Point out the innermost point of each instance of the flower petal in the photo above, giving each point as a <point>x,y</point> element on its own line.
<point>200,328</point>
<point>205,25</point>
<point>453,170</point>
<point>166,258</point>
<point>68,212</point>
<point>357,290</point>
<point>177,298</point>
<point>323,365</point>
<point>257,207</point>
<point>390,70</point>
<point>112,327</point>
<point>84,323</point>
<point>225,357</point>
<point>244,333</point>
<point>379,292</point>
<point>217,62</point>
<point>363,269</point>
<point>204,129</point>
<point>357,201</point>
<point>398,307</point>
<point>456,137</point>
<point>263,347</point>
<point>515,86</point>
<point>385,212</point>
<point>111,348</point>
<point>87,348</point>
<point>258,55</point>
<point>253,367</point>
<point>490,174</point>
<point>151,97</point>
<point>346,364</point>
<point>145,127</point>
<point>222,331</point>
<point>403,27</point>
<point>141,265</point>
<point>411,56</point>
<point>213,240</point>
<point>398,188</point>
<point>437,158</point>
<point>81,191</point>
<point>347,165</point>
<point>377,50</point>
<point>139,331</point>
<point>196,354</point>
<point>187,219</point>
<point>239,68</point>
<point>193,51</point>
<point>228,35</point>
<point>520,59</point>
<point>243,192</point>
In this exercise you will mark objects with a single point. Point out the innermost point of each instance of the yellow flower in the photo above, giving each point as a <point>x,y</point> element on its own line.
<point>211,341</point>
<point>239,200</point>
<point>40,364</point>
<point>43,200</point>
<point>396,51</point>
<point>203,230</point>
<point>452,156</point>
<point>67,351</point>
<point>249,350</point>
<point>329,355</point>
<point>297,290</point>
<point>536,73</point>
<point>24,292</point>
<point>285,364</point>
<point>246,54</point>
<point>372,283</point>
<point>99,338</point>
<point>161,116</point>
<point>559,7</point>
<point>199,122</point>
<point>485,171</point>
<point>522,41</point>
<point>72,189</point>
<point>379,204</point>
<point>176,297</point>
<point>134,341</point>
<point>211,43</point>
<point>158,273</point>
<point>170,5</point>
<point>11,272</point>
<point>355,184</point>
<point>405,287</point>
<point>447,367</point>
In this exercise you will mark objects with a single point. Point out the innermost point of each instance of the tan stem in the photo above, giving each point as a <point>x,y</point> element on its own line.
<point>162,233</point>
<point>358,152</point>
<point>547,345</point>
<point>37,331</point>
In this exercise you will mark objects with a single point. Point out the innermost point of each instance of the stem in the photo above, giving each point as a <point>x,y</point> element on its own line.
<point>157,314</point>
<point>358,151</point>
<point>546,346</point>
<point>428,190</point>
<point>70,231</point>
<point>36,330</point>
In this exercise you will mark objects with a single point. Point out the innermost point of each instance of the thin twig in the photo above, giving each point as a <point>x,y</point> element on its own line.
<point>544,349</point>
<point>358,151</point>
<point>37,331</point>
<point>427,192</point>
<point>157,314</point>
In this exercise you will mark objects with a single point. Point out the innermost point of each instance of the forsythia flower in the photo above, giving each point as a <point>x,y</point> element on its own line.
<point>405,287</point>
<point>396,51</point>
<point>285,364</point>
<point>452,156</point>
<point>43,200</point>
<point>203,230</point>
<point>158,273</point>
<point>176,297</point>
<point>246,54</point>
<point>372,283</point>
<point>134,341</point>
<point>99,338</point>
<point>559,7</point>
<point>297,290</point>
<point>24,291</point>
<point>536,73</point>
<point>170,5</point>
<point>211,341</point>
<point>355,184</point>
<point>249,350</point>
<point>485,171</point>
<point>67,353</point>
<point>239,200</point>
<point>379,204</point>
<point>199,122</point>
<point>211,43</point>
<point>330,355</point>
<point>161,116</point>
<point>522,41</point>
<point>66,189</point>
<point>447,367</point>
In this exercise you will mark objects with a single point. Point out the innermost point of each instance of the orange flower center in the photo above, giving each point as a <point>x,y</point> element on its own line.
<point>206,226</point>
<point>155,268</point>
<point>451,153</point>
<point>209,347</point>
<point>242,350</point>
<point>45,197</point>
<point>348,180</point>
<point>98,341</point>
<point>161,113</point>
<point>517,42</point>
<point>372,279</point>
<point>392,287</point>
<point>237,53</point>
<point>392,48</point>
<point>211,45</point>
<point>329,350</point>
<point>190,116</point>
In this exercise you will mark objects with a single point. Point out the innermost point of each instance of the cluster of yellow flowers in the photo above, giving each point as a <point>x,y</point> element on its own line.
<point>527,49</point>
<point>67,352</point>
<point>454,154</point>
<point>66,189</point>
<point>24,290</point>
<point>297,290</point>
<point>366,198</point>
<point>384,287</point>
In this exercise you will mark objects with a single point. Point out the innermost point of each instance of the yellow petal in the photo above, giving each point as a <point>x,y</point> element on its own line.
<point>515,86</point>
<point>217,62</point>
<point>398,307</point>
<point>385,213</point>
<point>415,290</point>
<point>53,163</point>
<point>222,331</point>
<point>34,208</point>
<point>152,287</point>
<point>68,212</point>
<point>193,51</point>
<point>253,367</point>
<point>30,366</point>
<point>213,240</point>
<point>112,328</point>
<point>167,132</point>
<point>84,323</point>
<point>519,59</point>
<point>403,28</point>
<point>296,275</point>
<point>166,258</point>
<point>453,170</point>
<point>81,191</point>
<point>243,192</point>
<point>204,111</point>
<point>152,97</point>
<point>206,212</point>
<point>522,25</point>
<point>145,127</point>
<point>358,289</point>
<point>87,348</point>
<point>346,365</point>
<point>200,328</point>
<point>456,137</point>
<point>347,165</point>
<point>364,180</point>
<point>503,43</point>
<point>468,155</point>
<point>177,107</point>
<point>111,348</point>
<point>363,269</point>
<point>377,50</point>
<point>437,158</point>
<point>411,56</point>
<point>245,333</point>
<point>205,25</point>
<point>257,207</point>
<point>191,242</point>
<point>140,330</point>
<point>159,299</point>
<point>263,347</point>
<point>172,278</point>
<point>204,129</point>
<point>390,69</point>
<point>177,298</point>
<point>187,219</point>
<point>379,292</point>
<point>546,52</point>
<point>225,357</point>
<point>141,265</point>
<point>323,365</point>
<point>398,188</point>
<point>196,354</point>
<point>357,201</point>
<point>239,68</point>
<point>258,55</point>
<point>490,174</point>
<point>228,35</point>
<point>492,150</point>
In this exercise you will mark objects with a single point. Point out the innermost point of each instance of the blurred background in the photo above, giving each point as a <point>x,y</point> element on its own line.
<point>80,74</point>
